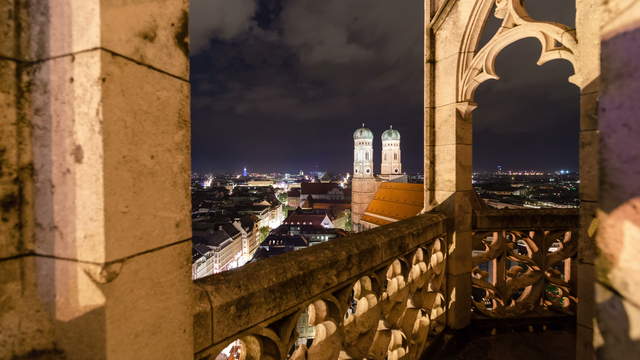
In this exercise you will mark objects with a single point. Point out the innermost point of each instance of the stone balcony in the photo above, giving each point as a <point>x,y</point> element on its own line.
<point>95,218</point>
<point>383,293</point>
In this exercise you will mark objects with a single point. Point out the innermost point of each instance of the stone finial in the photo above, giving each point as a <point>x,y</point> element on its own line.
<point>501,9</point>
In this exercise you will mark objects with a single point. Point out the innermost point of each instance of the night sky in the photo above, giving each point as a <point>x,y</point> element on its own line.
<point>280,85</point>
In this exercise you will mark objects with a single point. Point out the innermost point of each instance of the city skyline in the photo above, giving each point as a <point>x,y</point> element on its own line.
<point>282,85</point>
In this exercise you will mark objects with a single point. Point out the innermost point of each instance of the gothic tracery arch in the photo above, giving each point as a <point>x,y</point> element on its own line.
<point>558,42</point>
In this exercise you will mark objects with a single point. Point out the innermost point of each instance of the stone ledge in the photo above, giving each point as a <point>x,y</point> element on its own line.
<point>245,297</point>
<point>526,219</point>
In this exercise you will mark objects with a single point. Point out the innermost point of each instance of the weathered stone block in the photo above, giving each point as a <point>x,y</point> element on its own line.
<point>151,32</point>
<point>55,28</point>
<point>449,35</point>
<point>586,301</point>
<point>12,241</point>
<point>13,38</point>
<point>453,167</point>
<point>121,127</point>
<point>445,80</point>
<point>589,112</point>
<point>146,131</point>
<point>584,343</point>
<point>459,300</point>
<point>589,169</point>
<point>202,320</point>
<point>69,185</point>
<point>460,249</point>
<point>588,22</point>
<point>8,121</point>
<point>134,309</point>
<point>451,127</point>
<point>24,324</point>
<point>587,249</point>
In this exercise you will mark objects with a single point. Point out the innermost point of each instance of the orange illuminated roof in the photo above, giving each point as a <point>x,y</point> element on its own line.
<point>394,202</point>
<point>374,220</point>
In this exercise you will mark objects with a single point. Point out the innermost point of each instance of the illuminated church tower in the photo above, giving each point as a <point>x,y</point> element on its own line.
<point>363,184</point>
<point>391,160</point>
<point>363,153</point>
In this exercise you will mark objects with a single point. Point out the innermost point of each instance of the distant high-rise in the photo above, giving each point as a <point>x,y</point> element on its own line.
<point>244,172</point>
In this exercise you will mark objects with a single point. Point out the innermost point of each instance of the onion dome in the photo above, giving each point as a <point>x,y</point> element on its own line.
<point>363,134</point>
<point>390,134</point>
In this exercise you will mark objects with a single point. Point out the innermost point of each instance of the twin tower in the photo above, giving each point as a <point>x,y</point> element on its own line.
<point>363,153</point>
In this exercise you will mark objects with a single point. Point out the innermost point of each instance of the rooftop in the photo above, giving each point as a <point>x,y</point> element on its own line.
<point>394,202</point>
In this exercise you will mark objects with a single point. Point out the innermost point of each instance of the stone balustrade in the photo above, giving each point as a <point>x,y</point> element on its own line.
<point>378,294</point>
<point>522,262</point>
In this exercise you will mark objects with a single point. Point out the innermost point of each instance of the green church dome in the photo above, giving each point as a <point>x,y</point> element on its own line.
<point>363,134</point>
<point>390,134</point>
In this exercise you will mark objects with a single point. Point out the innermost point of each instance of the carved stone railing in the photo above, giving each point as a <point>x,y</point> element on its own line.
<point>522,262</point>
<point>378,294</point>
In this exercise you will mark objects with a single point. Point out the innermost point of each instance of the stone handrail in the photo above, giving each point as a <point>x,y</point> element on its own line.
<point>522,263</point>
<point>525,219</point>
<point>376,294</point>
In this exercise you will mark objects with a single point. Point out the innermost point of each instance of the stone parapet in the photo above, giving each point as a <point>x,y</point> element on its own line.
<point>394,274</point>
<point>523,262</point>
<point>526,219</point>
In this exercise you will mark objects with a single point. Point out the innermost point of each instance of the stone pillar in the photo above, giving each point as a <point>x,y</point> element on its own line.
<point>587,77</point>
<point>25,327</point>
<point>448,167</point>
<point>104,91</point>
<point>617,295</point>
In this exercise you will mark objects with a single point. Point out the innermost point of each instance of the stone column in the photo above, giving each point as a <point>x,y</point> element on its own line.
<point>104,91</point>
<point>448,167</point>
<point>587,77</point>
<point>24,325</point>
<point>617,295</point>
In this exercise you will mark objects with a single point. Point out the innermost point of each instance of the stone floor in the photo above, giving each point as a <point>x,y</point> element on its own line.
<point>551,339</point>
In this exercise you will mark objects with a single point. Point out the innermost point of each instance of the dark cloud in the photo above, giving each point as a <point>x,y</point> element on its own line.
<point>282,84</point>
<point>224,19</point>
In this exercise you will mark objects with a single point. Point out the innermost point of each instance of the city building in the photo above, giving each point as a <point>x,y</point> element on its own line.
<point>321,191</point>
<point>216,247</point>
<point>293,198</point>
<point>313,218</point>
<point>365,183</point>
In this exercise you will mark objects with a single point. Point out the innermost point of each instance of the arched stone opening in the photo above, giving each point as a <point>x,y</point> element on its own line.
<point>529,119</point>
<point>475,67</point>
<point>455,65</point>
